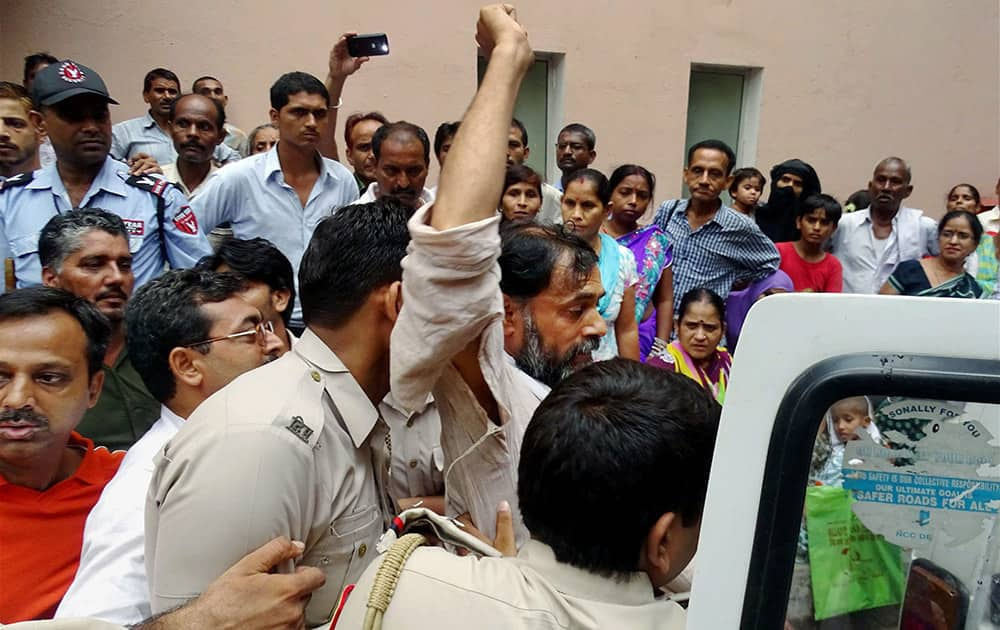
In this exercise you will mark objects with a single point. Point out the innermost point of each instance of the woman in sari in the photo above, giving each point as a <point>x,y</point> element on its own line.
<point>584,206</point>
<point>944,275</point>
<point>696,352</point>
<point>632,189</point>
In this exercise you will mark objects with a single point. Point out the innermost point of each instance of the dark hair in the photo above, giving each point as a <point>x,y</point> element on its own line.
<point>444,131</point>
<point>714,145</point>
<point>293,83</point>
<point>741,174</point>
<point>702,295</point>
<point>530,253</point>
<point>588,134</point>
<point>41,301</point>
<point>159,73</point>
<point>332,287</point>
<point>401,130</point>
<point>36,59</point>
<point>860,200</point>
<point>165,313</point>
<point>207,77</point>
<point>514,122</point>
<point>821,201</point>
<point>626,170</point>
<point>257,260</point>
<point>974,224</point>
<point>594,177</point>
<point>518,173</point>
<point>220,111</point>
<point>972,189</point>
<point>357,117</point>
<point>62,233</point>
<point>593,448</point>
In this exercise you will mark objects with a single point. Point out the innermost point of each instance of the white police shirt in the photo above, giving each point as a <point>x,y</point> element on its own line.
<point>28,201</point>
<point>253,197</point>
<point>143,135</point>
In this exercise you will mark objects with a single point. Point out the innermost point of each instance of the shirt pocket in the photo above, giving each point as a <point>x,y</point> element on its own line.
<point>25,245</point>
<point>343,553</point>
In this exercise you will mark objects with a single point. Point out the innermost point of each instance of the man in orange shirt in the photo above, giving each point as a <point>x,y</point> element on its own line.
<point>52,346</point>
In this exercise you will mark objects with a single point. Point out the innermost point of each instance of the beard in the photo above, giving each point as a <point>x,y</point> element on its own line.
<point>543,365</point>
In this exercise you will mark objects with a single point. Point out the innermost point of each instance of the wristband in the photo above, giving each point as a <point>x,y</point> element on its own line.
<point>340,101</point>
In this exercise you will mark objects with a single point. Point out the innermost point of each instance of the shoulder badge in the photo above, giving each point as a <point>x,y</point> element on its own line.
<point>21,179</point>
<point>154,185</point>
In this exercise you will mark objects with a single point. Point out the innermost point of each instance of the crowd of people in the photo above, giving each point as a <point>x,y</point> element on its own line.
<point>226,352</point>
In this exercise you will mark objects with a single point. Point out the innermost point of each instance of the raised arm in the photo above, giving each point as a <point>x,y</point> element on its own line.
<point>472,178</point>
<point>341,66</point>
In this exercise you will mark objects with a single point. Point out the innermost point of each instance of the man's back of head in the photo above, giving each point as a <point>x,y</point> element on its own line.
<point>635,444</point>
<point>332,287</point>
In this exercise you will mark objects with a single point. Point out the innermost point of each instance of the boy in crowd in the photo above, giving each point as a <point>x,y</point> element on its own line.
<point>806,260</point>
<point>746,189</point>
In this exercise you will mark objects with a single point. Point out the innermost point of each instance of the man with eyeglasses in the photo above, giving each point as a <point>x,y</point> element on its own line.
<point>191,333</point>
<point>86,252</point>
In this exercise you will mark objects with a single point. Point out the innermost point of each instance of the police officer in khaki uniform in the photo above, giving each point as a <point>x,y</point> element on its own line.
<point>295,448</point>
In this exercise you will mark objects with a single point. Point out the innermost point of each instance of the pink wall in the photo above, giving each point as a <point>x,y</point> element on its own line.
<point>844,83</point>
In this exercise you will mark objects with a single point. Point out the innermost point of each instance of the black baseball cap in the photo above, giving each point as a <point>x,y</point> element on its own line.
<point>65,79</point>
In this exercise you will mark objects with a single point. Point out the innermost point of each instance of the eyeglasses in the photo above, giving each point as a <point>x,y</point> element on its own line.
<point>260,330</point>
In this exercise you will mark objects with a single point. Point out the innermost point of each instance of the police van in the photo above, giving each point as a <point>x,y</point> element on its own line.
<point>905,533</point>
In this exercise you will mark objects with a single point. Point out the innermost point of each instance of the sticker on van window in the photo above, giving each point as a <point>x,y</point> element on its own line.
<point>932,475</point>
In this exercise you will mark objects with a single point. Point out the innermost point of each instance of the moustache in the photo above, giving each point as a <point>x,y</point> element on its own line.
<point>112,293</point>
<point>192,145</point>
<point>23,416</point>
<point>7,145</point>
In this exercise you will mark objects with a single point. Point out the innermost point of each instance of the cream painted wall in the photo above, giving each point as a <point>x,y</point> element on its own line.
<point>844,83</point>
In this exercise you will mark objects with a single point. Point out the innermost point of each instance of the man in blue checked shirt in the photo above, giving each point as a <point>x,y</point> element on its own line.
<point>714,246</point>
<point>71,103</point>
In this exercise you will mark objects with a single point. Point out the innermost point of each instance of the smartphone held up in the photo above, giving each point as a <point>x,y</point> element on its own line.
<point>368,45</point>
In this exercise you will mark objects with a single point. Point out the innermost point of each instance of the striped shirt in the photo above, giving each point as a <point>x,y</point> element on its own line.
<point>727,249</point>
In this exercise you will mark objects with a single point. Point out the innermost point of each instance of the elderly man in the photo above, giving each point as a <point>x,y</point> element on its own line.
<point>196,127</point>
<point>86,252</point>
<point>402,156</point>
<point>51,346</point>
<point>71,102</point>
<point>870,243</point>
<point>191,334</point>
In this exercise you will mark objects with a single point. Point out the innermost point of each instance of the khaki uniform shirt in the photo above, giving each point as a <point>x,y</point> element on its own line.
<point>294,448</point>
<point>417,458</point>
<point>451,296</point>
<point>534,590</point>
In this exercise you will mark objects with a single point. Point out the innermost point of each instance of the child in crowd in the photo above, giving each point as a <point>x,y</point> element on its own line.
<point>748,184</point>
<point>522,194</point>
<point>805,261</point>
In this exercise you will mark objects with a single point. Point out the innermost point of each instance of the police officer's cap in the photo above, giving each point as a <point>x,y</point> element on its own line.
<point>65,79</point>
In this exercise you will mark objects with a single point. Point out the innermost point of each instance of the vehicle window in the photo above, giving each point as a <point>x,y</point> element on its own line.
<point>899,526</point>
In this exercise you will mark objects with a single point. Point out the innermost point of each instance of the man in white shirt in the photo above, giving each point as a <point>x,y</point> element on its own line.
<point>283,194</point>
<point>196,127</point>
<point>190,334</point>
<point>402,156</point>
<point>871,242</point>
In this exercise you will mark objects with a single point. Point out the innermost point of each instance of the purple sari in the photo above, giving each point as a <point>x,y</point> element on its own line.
<point>653,254</point>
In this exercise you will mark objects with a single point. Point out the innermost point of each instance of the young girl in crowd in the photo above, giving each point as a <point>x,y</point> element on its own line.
<point>983,265</point>
<point>632,189</point>
<point>584,207</point>
<point>746,189</point>
<point>944,275</point>
<point>964,197</point>
<point>806,261</point>
<point>522,194</point>
<point>696,352</point>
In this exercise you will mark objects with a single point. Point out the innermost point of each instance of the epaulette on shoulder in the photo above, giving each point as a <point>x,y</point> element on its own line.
<point>156,185</point>
<point>21,179</point>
